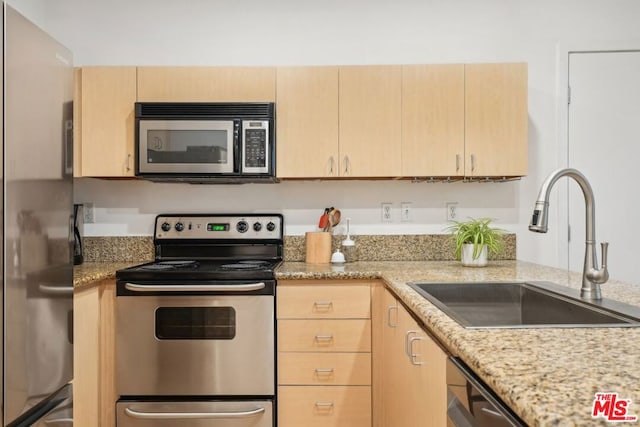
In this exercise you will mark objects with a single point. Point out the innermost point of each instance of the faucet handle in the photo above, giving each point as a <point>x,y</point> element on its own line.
<point>605,249</point>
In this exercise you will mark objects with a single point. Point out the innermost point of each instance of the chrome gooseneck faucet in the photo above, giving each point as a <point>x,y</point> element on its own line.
<point>592,277</point>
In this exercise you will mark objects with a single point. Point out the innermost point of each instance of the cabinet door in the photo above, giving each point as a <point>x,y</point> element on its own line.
<point>94,391</point>
<point>423,375</point>
<point>307,128</point>
<point>496,119</point>
<point>206,84</point>
<point>104,131</point>
<point>393,360</point>
<point>433,120</point>
<point>370,123</point>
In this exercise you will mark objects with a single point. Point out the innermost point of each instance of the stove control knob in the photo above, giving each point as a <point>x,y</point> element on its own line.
<point>165,226</point>
<point>179,226</point>
<point>271,226</point>
<point>257,226</point>
<point>242,226</point>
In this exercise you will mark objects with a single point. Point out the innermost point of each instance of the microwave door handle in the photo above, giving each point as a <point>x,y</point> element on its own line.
<point>195,288</point>
<point>192,415</point>
<point>237,146</point>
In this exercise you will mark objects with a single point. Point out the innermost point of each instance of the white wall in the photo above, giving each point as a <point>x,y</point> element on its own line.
<point>32,9</point>
<point>254,32</point>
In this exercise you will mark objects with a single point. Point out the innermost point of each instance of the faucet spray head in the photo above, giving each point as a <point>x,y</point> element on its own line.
<point>539,218</point>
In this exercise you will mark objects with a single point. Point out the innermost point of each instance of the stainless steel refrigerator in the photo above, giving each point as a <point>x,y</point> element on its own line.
<point>37,236</point>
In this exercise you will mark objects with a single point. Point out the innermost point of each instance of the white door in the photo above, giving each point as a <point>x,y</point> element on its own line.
<point>604,144</point>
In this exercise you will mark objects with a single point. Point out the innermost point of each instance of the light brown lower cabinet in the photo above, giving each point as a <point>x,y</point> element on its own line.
<point>413,389</point>
<point>94,394</point>
<point>372,366</point>
<point>324,353</point>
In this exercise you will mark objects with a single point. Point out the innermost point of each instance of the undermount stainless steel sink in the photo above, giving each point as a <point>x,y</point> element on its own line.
<point>525,305</point>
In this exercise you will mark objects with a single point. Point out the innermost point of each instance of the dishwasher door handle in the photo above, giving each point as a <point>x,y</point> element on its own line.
<point>195,288</point>
<point>191,415</point>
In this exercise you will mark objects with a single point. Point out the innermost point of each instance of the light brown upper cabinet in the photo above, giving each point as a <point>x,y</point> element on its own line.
<point>104,121</point>
<point>370,121</point>
<point>307,122</point>
<point>496,119</point>
<point>206,84</point>
<point>433,120</point>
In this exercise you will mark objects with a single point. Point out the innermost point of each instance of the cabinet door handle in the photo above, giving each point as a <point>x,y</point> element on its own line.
<point>331,165</point>
<point>325,371</point>
<point>473,162</point>
<point>412,355</point>
<point>406,342</point>
<point>346,165</point>
<point>457,162</point>
<point>129,162</point>
<point>395,308</point>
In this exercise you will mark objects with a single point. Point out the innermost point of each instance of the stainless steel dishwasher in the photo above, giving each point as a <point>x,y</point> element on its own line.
<point>471,403</point>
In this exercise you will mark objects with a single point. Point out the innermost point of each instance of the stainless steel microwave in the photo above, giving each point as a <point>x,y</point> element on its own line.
<point>205,142</point>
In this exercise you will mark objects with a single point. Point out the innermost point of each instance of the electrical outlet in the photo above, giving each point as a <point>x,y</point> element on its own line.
<point>452,211</point>
<point>386,212</point>
<point>405,211</point>
<point>88,213</point>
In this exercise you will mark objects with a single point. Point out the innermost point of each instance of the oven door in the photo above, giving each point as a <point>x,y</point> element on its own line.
<point>192,345</point>
<point>194,414</point>
<point>187,146</point>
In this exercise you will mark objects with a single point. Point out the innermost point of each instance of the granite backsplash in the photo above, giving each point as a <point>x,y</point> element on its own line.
<point>406,247</point>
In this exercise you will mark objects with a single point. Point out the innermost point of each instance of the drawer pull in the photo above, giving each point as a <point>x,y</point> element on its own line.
<point>324,405</point>
<point>324,371</point>
<point>324,337</point>
<point>323,305</point>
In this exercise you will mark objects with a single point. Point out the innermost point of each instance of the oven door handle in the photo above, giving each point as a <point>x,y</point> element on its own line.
<point>195,288</point>
<point>191,415</point>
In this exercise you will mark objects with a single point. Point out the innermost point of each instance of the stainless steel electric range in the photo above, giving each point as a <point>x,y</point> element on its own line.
<point>195,329</point>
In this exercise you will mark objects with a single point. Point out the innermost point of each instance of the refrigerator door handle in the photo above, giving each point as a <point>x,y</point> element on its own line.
<point>68,147</point>
<point>191,415</point>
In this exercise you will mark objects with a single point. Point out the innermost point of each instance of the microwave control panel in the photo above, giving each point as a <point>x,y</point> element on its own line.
<point>255,146</point>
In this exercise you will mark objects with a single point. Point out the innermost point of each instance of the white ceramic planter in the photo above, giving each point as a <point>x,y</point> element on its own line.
<point>467,256</point>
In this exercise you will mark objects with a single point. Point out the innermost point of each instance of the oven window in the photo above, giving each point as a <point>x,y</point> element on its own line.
<point>195,323</point>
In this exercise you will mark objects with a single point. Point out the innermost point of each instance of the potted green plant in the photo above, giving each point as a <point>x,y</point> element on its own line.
<point>474,239</point>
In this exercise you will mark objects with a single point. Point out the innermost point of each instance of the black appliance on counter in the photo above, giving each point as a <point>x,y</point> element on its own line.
<point>196,327</point>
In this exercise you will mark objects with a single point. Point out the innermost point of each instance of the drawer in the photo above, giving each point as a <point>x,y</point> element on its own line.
<point>352,335</point>
<point>322,302</point>
<point>328,406</point>
<point>324,368</point>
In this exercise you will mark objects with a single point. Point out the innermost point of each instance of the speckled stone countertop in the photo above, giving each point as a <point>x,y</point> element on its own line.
<point>91,273</point>
<point>547,376</point>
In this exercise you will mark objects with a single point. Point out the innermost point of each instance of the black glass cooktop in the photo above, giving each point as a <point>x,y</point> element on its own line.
<point>206,270</point>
